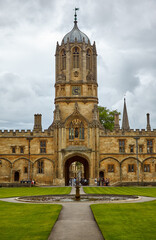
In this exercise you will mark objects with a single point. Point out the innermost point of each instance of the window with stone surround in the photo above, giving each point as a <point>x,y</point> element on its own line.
<point>122,146</point>
<point>149,146</point>
<point>63,55</point>
<point>40,166</point>
<point>131,167</point>
<point>76,57</point>
<point>110,167</point>
<point>43,146</point>
<point>13,148</point>
<point>21,149</point>
<point>131,148</point>
<point>25,169</point>
<point>140,148</point>
<point>146,167</point>
<point>88,59</point>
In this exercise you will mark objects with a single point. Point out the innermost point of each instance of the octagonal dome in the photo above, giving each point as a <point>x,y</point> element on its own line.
<point>75,33</point>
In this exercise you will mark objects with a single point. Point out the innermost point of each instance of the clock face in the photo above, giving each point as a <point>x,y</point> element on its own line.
<point>76,90</point>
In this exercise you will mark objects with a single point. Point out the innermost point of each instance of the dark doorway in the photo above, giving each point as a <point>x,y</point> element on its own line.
<point>16,177</point>
<point>76,159</point>
<point>101,174</point>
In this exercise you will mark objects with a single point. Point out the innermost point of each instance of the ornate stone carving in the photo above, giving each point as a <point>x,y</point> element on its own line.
<point>76,110</point>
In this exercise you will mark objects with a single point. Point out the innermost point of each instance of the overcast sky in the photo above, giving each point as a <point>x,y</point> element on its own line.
<point>125,36</point>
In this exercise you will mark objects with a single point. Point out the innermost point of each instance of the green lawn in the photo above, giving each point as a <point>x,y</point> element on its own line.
<point>27,221</point>
<point>131,221</point>
<point>33,191</point>
<point>140,191</point>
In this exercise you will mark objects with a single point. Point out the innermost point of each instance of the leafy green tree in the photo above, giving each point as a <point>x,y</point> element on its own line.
<point>106,117</point>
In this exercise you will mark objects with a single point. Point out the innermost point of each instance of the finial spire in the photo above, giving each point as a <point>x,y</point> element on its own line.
<point>75,15</point>
<point>125,122</point>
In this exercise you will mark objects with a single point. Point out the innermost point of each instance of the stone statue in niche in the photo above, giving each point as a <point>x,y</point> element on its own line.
<point>90,76</point>
<point>95,112</point>
<point>61,77</point>
<point>76,74</point>
<point>57,113</point>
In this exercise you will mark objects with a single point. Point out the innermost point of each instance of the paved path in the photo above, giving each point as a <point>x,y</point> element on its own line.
<point>76,222</point>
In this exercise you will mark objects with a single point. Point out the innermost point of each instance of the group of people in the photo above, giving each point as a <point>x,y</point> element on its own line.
<point>73,181</point>
<point>102,182</point>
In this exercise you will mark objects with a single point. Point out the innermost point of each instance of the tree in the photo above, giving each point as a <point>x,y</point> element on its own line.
<point>106,117</point>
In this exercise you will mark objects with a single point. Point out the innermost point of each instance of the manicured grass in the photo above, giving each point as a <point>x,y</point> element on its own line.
<point>32,191</point>
<point>133,221</point>
<point>140,191</point>
<point>27,221</point>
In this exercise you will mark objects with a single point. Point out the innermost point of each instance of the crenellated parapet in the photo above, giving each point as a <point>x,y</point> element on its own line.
<point>25,133</point>
<point>131,132</point>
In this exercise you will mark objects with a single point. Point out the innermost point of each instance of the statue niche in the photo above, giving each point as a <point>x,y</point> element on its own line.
<point>90,76</point>
<point>76,129</point>
<point>61,77</point>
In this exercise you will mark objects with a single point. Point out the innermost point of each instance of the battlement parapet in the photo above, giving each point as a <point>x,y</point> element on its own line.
<point>130,133</point>
<point>25,133</point>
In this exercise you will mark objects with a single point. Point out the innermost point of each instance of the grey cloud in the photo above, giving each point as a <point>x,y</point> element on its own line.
<point>125,36</point>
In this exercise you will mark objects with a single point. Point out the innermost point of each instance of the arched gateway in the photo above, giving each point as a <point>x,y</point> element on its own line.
<point>71,160</point>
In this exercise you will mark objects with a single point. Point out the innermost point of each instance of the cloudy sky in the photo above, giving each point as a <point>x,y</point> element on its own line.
<point>125,36</point>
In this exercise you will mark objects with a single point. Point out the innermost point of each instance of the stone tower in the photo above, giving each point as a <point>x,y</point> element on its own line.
<point>76,112</point>
<point>76,74</point>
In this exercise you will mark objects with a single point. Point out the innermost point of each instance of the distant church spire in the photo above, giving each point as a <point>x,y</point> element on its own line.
<point>125,122</point>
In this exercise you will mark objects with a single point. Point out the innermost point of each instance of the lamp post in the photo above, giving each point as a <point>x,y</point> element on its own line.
<point>29,139</point>
<point>137,138</point>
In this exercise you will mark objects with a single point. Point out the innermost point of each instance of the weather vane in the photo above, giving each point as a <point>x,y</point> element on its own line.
<point>76,9</point>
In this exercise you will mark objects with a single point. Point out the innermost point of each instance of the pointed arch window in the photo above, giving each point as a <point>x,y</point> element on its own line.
<point>76,130</point>
<point>71,131</point>
<point>63,56</point>
<point>88,60</point>
<point>81,131</point>
<point>76,57</point>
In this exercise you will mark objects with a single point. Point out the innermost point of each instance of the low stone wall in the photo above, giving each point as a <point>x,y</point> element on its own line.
<point>16,185</point>
<point>128,184</point>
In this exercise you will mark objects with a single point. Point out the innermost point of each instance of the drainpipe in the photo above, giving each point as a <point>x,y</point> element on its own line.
<point>137,138</point>
<point>29,139</point>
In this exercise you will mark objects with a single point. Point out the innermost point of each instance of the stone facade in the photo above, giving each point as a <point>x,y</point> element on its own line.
<point>123,155</point>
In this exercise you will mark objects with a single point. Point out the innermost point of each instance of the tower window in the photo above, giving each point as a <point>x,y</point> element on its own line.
<point>76,132</point>
<point>63,55</point>
<point>76,58</point>
<point>88,60</point>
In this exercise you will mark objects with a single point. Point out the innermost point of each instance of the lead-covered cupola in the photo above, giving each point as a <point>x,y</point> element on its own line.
<point>75,35</point>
